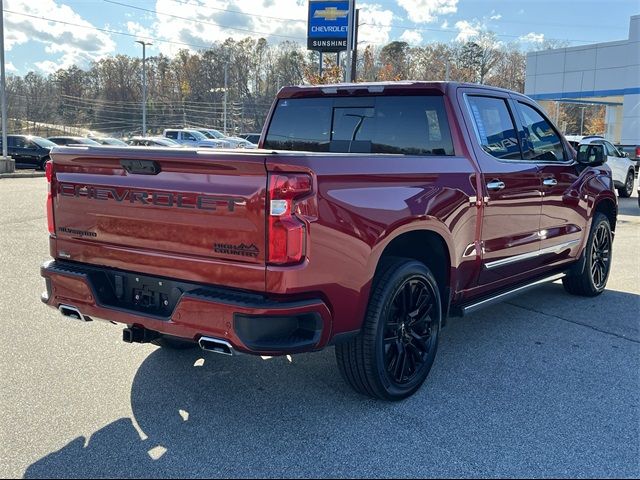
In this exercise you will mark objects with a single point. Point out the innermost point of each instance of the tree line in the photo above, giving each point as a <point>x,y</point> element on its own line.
<point>188,89</point>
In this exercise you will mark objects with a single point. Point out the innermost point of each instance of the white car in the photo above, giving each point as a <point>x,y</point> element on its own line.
<point>191,138</point>
<point>622,167</point>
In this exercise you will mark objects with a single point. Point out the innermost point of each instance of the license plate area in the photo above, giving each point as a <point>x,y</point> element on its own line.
<point>145,294</point>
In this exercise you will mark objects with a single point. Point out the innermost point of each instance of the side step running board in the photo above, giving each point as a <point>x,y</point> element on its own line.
<point>506,295</point>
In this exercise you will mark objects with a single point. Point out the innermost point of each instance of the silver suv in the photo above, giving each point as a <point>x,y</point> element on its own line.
<point>191,138</point>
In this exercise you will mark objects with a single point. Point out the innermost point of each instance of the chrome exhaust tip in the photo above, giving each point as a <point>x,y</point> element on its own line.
<point>72,312</point>
<point>215,345</point>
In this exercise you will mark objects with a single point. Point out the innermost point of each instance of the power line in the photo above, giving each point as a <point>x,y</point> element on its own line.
<point>106,30</point>
<point>202,21</point>
<point>279,19</point>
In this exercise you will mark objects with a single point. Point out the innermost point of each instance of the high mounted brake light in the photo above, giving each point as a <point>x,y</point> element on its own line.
<point>49,174</point>
<point>286,235</point>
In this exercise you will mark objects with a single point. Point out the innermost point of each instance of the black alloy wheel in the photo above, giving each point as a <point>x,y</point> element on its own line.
<point>601,256</point>
<point>408,338</point>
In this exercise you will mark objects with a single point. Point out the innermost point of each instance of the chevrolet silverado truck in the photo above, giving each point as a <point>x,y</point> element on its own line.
<point>370,214</point>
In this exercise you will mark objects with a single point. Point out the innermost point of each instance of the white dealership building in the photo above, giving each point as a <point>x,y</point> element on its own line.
<point>602,73</point>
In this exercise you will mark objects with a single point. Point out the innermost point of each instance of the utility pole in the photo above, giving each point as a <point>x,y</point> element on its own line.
<point>582,120</point>
<point>226,81</point>
<point>144,85</point>
<point>354,59</point>
<point>321,60</point>
<point>7,164</point>
<point>350,22</point>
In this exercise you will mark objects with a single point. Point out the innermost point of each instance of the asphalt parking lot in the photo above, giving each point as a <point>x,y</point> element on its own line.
<point>547,385</point>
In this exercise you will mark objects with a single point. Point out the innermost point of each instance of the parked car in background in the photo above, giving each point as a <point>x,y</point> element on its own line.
<point>622,167</point>
<point>153,142</point>
<point>109,141</point>
<point>218,136</point>
<point>251,137</point>
<point>191,138</point>
<point>633,151</point>
<point>28,151</point>
<point>241,142</point>
<point>73,141</point>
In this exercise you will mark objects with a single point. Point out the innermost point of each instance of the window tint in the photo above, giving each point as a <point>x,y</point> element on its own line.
<point>494,127</point>
<point>395,125</point>
<point>544,144</point>
<point>172,134</point>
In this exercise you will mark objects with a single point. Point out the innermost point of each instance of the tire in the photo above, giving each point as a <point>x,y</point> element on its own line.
<point>43,163</point>
<point>374,363</point>
<point>627,189</point>
<point>592,280</point>
<point>173,343</point>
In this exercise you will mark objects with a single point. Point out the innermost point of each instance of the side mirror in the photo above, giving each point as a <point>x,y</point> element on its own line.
<point>591,154</point>
<point>625,154</point>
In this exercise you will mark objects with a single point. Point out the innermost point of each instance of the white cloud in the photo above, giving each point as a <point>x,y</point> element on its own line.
<point>206,22</point>
<point>445,24</point>
<point>411,37</point>
<point>10,67</point>
<point>426,11</point>
<point>376,22</point>
<point>74,45</point>
<point>497,16</point>
<point>467,30</point>
<point>532,37</point>
<point>139,30</point>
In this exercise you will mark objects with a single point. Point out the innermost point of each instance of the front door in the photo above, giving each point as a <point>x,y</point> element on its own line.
<point>512,203</point>
<point>564,212</point>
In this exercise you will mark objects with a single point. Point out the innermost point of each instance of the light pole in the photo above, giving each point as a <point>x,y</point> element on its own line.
<point>6,164</point>
<point>582,119</point>
<point>144,85</point>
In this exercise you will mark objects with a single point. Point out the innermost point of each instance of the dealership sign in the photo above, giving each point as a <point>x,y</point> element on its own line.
<point>328,25</point>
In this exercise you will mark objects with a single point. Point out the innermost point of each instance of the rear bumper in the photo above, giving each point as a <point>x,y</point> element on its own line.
<point>251,323</point>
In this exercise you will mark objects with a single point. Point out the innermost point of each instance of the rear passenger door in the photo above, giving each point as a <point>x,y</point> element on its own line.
<point>512,203</point>
<point>564,213</point>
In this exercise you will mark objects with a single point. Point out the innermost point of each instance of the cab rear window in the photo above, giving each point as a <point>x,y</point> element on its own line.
<point>407,125</point>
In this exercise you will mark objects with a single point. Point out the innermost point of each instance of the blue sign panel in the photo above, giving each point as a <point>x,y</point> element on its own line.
<point>328,25</point>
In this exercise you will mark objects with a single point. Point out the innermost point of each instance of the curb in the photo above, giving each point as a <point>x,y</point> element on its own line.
<point>22,175</point>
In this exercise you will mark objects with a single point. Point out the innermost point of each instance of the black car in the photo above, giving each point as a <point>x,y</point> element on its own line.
<point>28,151</point>
<point>73,141</point>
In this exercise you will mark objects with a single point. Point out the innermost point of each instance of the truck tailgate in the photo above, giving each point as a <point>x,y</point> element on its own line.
<point>194,215</point>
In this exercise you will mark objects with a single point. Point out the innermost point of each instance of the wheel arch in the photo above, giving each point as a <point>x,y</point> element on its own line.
<point>429,244</point>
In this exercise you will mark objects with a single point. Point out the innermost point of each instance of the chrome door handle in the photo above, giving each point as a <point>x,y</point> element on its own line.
<point>549,182</point>
<point>495,185</point>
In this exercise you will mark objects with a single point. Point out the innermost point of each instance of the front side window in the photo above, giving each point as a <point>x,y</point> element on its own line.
<point>405,125</point>
<point>495,128</point>
<point>543,143</point>
<point>611,150</point>
<point>188,136</point>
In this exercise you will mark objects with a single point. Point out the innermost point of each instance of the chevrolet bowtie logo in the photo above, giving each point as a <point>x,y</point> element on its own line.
<point>331,13</point>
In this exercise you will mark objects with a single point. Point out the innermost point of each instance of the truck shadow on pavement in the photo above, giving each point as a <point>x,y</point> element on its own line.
<point>514,392</point>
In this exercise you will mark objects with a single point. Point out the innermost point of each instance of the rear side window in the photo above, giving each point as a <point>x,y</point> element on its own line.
<point>494,127</point>
<point>544,143</point>
<point>393,125</point>
<point>172,134</point>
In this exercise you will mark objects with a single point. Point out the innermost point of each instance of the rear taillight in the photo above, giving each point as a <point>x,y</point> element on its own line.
<point>637,153</point>
<point>286,235</point>
<point>49,174</point>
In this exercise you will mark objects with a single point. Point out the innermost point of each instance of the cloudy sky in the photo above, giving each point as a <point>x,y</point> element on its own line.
<point>44,35</point>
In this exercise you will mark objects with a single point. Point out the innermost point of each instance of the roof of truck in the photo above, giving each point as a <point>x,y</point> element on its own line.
<point>400,87</point>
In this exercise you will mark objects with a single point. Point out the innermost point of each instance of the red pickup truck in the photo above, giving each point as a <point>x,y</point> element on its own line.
<point>371,214</point>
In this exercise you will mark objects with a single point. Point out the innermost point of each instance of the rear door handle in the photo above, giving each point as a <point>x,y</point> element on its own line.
<point>495,185</point>
<point>549,182</point>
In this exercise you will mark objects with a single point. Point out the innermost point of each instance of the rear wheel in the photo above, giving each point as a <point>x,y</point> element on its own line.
<point>627,189</point>
<point>173,343</point>
<point>393,354</point>
<point>597,264</point>
<point>43,163</point>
